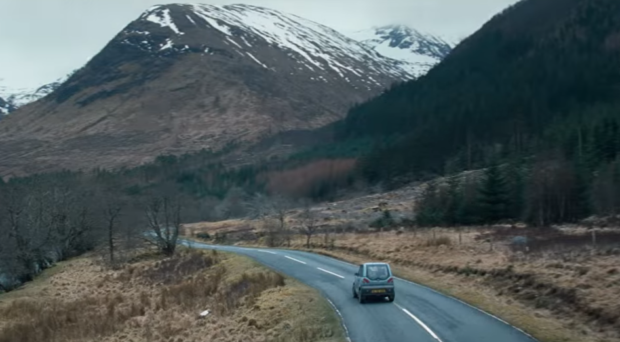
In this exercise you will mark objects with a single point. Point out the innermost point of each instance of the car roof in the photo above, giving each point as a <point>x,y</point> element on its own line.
<point>376,263</point>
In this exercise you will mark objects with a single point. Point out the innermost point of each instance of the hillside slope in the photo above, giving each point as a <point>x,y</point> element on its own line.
<point>186,77</point>
<point>541,76</point>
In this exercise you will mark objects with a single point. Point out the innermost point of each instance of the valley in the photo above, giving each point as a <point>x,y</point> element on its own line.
<point>488,172</point>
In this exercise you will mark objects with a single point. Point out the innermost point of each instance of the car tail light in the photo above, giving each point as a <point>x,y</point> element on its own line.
<point>366,281</point>
<point>391,280</point>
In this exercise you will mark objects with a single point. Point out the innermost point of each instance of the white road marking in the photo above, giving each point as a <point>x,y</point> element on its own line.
<point>471,306</point>
<point>346,330</point>
<point>264,251</point>
<point>299,261</point>
<point>419,322</point>
<point>332,273</point>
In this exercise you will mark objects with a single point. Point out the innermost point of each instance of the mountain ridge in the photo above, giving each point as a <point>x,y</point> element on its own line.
<point>426,51</point>
<point>181,78</point>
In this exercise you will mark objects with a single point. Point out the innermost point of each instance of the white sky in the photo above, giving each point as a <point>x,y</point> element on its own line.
<point>42,40</point>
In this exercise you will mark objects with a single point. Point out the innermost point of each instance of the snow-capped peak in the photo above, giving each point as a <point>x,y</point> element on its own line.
<point>405,44</point>
<point>314,46</point>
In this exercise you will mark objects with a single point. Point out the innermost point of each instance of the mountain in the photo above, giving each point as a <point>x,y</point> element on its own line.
<point>11,99</point>
<point>5,107</point>
<point>421,51</point>
<point>540,79</point>
<point>186,77</point>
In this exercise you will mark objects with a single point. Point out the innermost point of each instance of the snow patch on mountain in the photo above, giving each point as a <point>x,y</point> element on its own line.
<point>312,45</point>
<point>164,20</point>
<point>403,43</point>
<point>5,107</point>
<point>13,98</point>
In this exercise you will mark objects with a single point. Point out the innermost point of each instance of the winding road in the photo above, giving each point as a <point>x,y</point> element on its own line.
<point>418,314</point>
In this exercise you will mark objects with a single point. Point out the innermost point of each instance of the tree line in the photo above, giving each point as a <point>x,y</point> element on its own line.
<point>51,217</point>
<point>46,218</point>
<point>541,192</point>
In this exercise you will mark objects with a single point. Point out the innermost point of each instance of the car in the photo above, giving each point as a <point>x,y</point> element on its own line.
<point>374,280</point>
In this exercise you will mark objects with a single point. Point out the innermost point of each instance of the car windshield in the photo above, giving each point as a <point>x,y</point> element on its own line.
<point>377,272</point>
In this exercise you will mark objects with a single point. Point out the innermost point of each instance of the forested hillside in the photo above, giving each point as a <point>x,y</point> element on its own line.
<point>536,88</point>
<point>542,74</point>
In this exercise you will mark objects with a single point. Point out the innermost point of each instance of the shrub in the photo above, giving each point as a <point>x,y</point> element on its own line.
<point>439,241</point>
<point>204,236</point>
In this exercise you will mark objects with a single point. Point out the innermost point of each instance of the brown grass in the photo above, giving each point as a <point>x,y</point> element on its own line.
<point>159,300</point>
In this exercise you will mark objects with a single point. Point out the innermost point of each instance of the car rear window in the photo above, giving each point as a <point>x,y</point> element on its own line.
<point>377,272</point>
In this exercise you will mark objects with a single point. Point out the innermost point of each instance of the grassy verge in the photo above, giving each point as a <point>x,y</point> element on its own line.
<point>157,299</point>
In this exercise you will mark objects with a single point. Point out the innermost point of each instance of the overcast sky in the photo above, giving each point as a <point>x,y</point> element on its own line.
<point>42,40</point>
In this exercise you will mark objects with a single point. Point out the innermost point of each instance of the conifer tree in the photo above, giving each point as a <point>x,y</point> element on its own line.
<point>493,196</point>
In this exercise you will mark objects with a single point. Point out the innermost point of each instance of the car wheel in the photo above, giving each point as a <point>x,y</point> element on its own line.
<point>354,293</point>
<point>391,298</point>
<point>361,298</point>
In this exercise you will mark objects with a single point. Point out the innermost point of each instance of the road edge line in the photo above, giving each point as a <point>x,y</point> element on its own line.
<point>344,326</point>
<point>419,321</point>
<point>473,307</point>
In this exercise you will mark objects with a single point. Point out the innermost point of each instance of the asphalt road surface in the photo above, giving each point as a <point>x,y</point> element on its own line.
<point>418,314</point>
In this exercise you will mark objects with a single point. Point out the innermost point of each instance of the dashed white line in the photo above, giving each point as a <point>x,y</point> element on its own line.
<point>299,261</point>
<point>264,251</point>
<point>332,273</point>
<point>419,322</point>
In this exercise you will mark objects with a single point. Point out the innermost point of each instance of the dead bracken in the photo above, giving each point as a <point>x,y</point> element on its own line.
<point>160,300</point>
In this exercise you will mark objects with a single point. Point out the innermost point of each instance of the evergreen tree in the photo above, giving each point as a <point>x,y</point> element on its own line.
<point>494,199</point>
<point>516,190</point>
<point>429,210</point>
<point>469,209</point>
<point>452,216</point>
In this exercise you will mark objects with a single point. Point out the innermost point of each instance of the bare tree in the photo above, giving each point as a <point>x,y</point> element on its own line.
<point>272,212</point>
<point>28,228</point>
<point>111,212</point>
<point>163,215</point>
<point>309,222</point>
<point>233,205</point>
